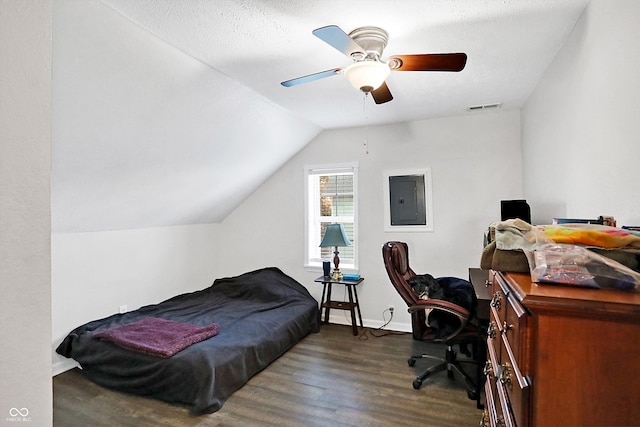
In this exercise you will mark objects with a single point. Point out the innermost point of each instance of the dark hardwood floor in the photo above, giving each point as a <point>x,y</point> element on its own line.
<point>331,378</point>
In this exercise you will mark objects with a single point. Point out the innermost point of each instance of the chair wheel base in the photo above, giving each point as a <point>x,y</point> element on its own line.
<point>417,383</point>
<point>411,362</point>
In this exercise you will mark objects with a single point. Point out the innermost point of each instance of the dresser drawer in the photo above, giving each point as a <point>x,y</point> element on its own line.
<point>511,321</point>
<point>498,302</point>
<point>513,327</point>
<point>515,384</point>
<point>492,415</point>
<point>494,340</point>
<point>498,400</point>
<point>506,342</point>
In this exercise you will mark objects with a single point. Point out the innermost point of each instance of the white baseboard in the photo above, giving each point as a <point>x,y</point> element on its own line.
<point>339,318</point>
<point>63,366</point>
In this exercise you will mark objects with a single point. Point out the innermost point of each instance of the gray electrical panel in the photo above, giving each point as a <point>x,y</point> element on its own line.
<point>407,201</point>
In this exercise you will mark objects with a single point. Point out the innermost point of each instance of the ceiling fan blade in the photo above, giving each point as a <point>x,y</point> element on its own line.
<point>311,77</point>
<point>428,62</point>
<point>334,36</point>
<point>382,94</point>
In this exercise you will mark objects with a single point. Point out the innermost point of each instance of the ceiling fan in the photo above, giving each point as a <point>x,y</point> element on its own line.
<point>368,72</point>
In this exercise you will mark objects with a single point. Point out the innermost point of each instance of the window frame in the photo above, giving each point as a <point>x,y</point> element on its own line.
<point>311,263</point>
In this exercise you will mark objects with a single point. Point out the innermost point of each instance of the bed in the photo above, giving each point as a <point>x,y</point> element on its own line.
<point>257,316</point>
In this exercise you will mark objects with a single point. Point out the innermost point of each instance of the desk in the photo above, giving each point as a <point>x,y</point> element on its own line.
<point>480,280</point>
<point>352,305</point>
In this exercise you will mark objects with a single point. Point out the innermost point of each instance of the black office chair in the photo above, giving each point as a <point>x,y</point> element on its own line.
<point>462,333</point>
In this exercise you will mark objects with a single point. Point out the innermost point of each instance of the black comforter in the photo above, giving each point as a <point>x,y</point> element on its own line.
<point>261,315</point>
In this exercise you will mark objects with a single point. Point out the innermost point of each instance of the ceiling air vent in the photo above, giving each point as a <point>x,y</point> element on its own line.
<point>485,107</point>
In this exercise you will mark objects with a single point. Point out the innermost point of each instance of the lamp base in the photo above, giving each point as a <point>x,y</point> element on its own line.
<point>336,274</point>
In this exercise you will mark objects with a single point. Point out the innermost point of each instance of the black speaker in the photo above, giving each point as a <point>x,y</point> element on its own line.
<point>510,209</point>
<point>326,268</point>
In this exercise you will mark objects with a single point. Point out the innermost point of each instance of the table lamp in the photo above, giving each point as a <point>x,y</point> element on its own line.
<point>335,236</point>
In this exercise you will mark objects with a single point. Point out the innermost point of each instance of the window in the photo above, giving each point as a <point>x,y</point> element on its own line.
<point>330,197</point>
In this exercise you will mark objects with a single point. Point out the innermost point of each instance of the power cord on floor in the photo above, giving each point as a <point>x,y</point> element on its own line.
<point>373,331</point>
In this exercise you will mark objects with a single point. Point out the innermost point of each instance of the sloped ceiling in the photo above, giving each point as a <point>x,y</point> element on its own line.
<point>171,112</point>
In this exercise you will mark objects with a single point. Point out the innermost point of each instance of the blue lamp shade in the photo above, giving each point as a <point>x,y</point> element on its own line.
<point>335,235</point>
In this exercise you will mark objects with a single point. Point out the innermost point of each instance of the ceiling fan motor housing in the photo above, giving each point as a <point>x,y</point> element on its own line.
<point>372,39</point>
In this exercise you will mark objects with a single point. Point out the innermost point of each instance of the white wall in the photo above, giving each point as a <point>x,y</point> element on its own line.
<point>93,274</point>
<point>580,125</point>
<point>475,161</point>
<point>144,132</point>
<point>25,170</point>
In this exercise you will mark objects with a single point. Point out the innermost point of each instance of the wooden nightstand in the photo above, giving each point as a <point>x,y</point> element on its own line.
<point>352,305</point>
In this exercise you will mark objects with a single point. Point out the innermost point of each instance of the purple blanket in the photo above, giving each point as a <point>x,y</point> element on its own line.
<point>157,337</point>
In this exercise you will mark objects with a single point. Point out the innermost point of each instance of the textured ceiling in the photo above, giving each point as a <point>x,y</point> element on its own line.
<point>171,112</point>
<point>263,42</point>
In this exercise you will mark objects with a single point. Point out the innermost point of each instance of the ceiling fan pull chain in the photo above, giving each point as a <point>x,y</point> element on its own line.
<point>366,123</point>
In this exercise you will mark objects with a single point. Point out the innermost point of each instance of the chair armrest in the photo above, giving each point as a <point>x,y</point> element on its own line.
<point>446,306</point>
<point>437,304</point>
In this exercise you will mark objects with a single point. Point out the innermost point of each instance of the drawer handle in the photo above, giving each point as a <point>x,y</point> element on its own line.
<point>491,330</point>
<point>488,369</point>
<point>506,327</point>
<point>505,374</point>
<point>496,301</point>
<point>485,421</point>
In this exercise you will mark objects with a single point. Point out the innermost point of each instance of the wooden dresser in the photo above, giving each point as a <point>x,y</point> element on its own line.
<point>561,356</point>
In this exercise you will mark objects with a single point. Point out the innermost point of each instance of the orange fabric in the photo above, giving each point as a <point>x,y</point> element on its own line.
<point>605,237</point>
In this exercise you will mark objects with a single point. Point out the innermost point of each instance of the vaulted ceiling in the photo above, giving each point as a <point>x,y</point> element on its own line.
<point>171,112</point>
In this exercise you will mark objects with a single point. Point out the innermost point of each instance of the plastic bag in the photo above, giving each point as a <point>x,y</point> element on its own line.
<point>575,265</point>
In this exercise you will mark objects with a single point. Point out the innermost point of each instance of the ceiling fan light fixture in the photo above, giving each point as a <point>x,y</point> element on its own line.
<point>367,75</point>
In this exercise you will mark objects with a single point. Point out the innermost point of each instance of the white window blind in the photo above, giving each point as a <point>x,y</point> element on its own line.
<point>331,196</point>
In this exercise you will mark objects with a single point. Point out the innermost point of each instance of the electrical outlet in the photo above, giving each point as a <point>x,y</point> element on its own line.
<point>391,308</point>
